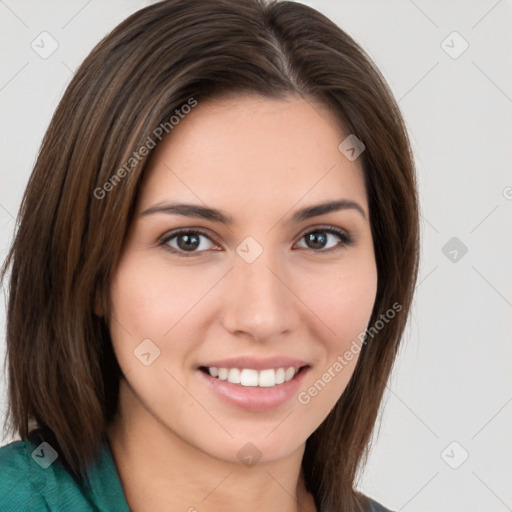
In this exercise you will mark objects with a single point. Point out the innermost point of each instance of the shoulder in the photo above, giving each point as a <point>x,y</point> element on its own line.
<point>33,478</point>
<point>374,506</point>
<point>17,489</point>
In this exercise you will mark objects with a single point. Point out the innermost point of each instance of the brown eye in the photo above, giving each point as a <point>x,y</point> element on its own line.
<point>326,239</point>
<point>188,242</point>
<point>192,242</point>
<point>316,240</point>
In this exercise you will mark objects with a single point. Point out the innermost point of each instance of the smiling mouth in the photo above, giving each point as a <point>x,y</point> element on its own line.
<point>249,377</point>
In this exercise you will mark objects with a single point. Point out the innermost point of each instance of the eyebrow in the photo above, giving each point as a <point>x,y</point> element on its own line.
<point>202,212</point>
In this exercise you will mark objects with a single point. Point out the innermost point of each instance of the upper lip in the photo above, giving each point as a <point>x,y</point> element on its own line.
<point>256,363</point>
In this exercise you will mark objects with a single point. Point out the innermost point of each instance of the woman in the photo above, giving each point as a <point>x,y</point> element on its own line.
<point>214,265</point>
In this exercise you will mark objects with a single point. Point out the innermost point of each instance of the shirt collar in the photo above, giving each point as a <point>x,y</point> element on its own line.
<point>105,488</point>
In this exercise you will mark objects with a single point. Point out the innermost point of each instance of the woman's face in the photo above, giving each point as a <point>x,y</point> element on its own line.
<point>259,287</point>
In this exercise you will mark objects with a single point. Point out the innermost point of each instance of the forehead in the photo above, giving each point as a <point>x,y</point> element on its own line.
<point>251,155</point>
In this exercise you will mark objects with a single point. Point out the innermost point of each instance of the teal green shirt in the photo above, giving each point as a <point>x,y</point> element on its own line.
<point>33,480</point>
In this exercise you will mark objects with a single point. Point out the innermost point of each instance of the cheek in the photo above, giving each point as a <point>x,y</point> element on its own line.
<point>344,305</point>
<point>343,300</point>
<point>148,300</point>
<point>353,306</point>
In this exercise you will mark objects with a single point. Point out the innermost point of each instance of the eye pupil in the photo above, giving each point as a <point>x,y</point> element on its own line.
<point>317,238</point>
<point>188,242</point>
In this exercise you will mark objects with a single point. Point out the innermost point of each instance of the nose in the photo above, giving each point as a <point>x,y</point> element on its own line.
<point>259,301</point>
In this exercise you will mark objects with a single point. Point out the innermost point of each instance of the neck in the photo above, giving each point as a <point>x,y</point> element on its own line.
<point>161,471</point>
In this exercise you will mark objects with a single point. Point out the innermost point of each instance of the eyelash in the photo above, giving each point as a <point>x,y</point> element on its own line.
<point>345,240</point>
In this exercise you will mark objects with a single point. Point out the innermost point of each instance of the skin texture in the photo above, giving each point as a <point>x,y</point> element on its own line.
<point>175,442</point>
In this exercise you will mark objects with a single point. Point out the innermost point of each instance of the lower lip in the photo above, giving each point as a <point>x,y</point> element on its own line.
<point>254,398</point>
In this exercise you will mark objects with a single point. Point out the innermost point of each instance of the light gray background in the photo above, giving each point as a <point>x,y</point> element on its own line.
<point>452,381</point>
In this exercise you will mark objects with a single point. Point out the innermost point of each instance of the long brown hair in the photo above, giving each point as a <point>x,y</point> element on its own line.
<point>62,372</point>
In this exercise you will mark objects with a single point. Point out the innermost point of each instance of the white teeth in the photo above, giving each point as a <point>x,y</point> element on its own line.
<point>267,378</point>
<point>290,372</point>
<point>234,376</point>
<point>249,377</point>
